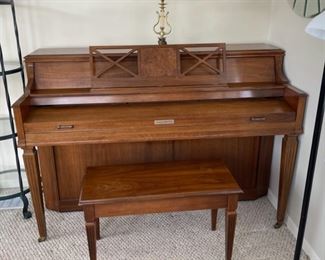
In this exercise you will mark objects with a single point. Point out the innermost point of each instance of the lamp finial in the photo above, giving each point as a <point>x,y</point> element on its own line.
<point>162,28</point>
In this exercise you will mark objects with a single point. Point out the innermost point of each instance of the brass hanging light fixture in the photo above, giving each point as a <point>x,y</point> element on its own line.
<point>162,28</point>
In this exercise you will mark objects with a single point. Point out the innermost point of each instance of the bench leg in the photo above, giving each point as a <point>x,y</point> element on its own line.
<point>97,229</point>
<point>230,218</point>
<point>91,236</point>
<point>91,227</point>
<point>214,215</point>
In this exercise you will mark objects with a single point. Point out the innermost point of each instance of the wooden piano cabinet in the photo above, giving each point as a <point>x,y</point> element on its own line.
<point>107,105</point>
<point>63,167</point>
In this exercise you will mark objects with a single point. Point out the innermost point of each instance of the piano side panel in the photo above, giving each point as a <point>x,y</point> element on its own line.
<point>241,155</point>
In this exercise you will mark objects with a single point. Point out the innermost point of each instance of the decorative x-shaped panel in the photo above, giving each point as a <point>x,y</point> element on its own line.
<point>217,69</point>
<point>106,54</point>
<point>152,65</point>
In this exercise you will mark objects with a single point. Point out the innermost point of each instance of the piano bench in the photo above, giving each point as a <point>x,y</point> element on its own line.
<point>158,187</point>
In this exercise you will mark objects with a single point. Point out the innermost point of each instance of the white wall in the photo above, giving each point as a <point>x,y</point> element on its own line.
<point>304,63</point>
<point>45,23</point>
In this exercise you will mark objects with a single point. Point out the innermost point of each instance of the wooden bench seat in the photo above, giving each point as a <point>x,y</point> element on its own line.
<point>158,187</point>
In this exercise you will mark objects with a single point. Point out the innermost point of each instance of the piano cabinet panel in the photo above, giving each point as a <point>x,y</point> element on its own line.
<point>240,154</point>
<point>63,167</point>
<point>68,68</point>
<point>251,69</point>
<point>53,75</point>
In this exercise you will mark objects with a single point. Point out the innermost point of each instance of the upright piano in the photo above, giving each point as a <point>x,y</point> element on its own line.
<point>107,105</point>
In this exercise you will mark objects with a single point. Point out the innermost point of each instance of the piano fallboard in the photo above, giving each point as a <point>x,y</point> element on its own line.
<point>54,125</point>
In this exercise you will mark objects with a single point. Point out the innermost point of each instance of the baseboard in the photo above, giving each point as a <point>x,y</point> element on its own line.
<point>293,228</point>
<point>272,198</point>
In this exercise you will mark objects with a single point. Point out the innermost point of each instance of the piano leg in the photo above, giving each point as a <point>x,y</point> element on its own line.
<point>34,180</point>
<point>288,157</point>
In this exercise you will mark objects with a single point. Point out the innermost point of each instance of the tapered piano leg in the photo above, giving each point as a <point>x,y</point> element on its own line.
<point>34,180</point>
<point>288,157</point>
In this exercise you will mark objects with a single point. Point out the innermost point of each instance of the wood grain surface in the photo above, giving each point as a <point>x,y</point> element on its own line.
<point>156,181</point>
<point>231,115</point>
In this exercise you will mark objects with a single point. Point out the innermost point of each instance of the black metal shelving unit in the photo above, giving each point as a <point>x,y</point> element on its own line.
<point>4,73</point>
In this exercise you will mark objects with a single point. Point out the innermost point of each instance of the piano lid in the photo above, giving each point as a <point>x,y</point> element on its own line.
<point>84,51</point>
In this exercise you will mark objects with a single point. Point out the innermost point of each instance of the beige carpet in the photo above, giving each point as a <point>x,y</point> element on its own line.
<point>180,236</point>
